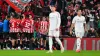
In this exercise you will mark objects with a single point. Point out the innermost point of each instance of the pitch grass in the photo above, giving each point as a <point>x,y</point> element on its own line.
<point>43,53</point>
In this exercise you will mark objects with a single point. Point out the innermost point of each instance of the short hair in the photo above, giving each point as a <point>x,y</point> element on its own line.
<point>53,6</point>
<point>27,16</point>
<point>79,9</point>
<point>8,16</point>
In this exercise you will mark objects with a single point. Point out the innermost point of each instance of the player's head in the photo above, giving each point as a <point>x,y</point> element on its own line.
<point>44,18</point>
<point>30,16</point>
<point>18,17</point>
<point>11,17</point>
<point>23,16</point>
<point>27,16</point>
<point>8,17</point>
<point>79,12</point>
<point>52,8</point>
<point>27,8</point>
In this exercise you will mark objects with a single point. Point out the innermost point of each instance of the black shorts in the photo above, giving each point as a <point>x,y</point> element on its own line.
<point>13,35</point>
<point>1,36</point>
<point>6,35</point>
<point>28,35</point>
<point>43,36</point>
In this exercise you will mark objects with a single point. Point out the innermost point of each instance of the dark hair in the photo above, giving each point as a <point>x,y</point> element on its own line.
<point>27,16</point>
<point>8,16</point>
<point>53,6</point>
<point>79,9</point>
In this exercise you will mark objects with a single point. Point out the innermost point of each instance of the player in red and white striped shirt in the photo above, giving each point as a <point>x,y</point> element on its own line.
<point>13,27</point>
<point>43,31</point>
<point>13,30</point>
<point>27,26</point>
<point>32,26</point>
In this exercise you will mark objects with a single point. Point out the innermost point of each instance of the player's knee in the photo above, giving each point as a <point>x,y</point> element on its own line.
<point>57,39</point>
<point>79,38</point>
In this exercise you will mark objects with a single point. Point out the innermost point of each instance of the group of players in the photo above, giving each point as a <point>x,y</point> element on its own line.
<point>17,30</point>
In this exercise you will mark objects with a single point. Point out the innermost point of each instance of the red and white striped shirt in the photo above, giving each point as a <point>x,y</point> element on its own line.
<point>13,25</point>
<point>27,25</point>
<point>43,27</point>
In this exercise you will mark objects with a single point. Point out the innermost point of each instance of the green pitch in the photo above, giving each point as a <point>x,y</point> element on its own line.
<point>43,53</point>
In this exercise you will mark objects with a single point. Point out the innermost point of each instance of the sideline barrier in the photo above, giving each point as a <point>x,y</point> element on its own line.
<point>87,43</point>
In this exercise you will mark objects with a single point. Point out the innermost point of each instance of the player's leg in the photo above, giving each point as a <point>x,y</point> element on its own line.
<point>9,41</point>
<point>27,40</point>
<point>56,35</point>
<point>44,41</point>
<point>18,45</point>
<point>1,41</point>
<point>79,36</point>
<point>50,41</point>
<point>78,44</point>
<point>13,40</point>
<point>5,38</point>
<point>41,42</point>
<point>31,42</point>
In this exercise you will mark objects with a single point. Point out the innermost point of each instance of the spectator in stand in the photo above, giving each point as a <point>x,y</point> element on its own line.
<point>68,25</point>
<point>98,23</point>
<point>91,33</point>
<point>91,19</point>
<point>29,12</point>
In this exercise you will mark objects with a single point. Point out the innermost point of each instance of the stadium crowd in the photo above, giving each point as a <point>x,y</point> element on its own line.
<point>28,29</point>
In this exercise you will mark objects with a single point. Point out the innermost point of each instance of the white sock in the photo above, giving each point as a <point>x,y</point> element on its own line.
<point>59,42</point>
<point>78,43</point>
<point>50,43</point>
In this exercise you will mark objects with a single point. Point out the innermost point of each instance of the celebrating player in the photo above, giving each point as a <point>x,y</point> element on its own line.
<point>43,31</point>
<point>13,30</point>
<point>79,24</point>
<point>54,21</point>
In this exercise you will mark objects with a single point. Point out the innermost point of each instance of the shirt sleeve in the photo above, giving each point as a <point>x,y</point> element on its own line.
<point>58,20</point>
<point>74,20</point>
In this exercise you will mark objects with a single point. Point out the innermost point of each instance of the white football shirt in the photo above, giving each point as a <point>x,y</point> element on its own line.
<point>54,20</point>
<point>79,23</point>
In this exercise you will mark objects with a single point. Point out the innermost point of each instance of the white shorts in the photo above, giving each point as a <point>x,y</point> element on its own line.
<point>54,33</point>
<point>79,34</point>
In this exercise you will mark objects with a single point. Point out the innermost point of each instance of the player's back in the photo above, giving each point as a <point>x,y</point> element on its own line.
<point>26,24</point>
<point>18,25</point>
<point>6,25</point>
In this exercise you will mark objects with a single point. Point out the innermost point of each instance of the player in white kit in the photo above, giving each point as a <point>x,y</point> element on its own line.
<point>79,24</point>
<point>54,21</point>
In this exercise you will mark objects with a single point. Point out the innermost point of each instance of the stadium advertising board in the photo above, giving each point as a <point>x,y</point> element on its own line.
<point>87,44</point>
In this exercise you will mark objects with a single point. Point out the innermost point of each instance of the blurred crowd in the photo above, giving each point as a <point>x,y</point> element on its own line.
<point>37,11</point>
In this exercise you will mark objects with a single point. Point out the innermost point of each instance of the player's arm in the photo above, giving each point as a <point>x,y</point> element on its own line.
<point>39,26</point>
<point>58,21</point>
<point>71,28</point>
<point>47,30</point>
<point>85,26</point>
